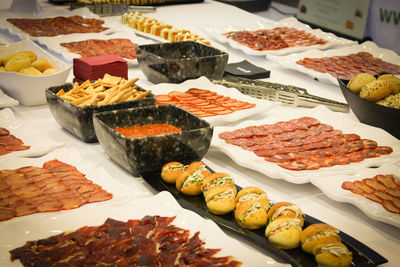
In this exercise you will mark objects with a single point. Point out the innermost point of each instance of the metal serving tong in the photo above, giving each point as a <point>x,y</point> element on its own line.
<point>112,9</point>
<point>287,94</point>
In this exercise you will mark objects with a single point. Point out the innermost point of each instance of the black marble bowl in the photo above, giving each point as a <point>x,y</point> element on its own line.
<point>180,61</point>
<point>143,154</point>
<point>370,113</point>
<point>79,120</point>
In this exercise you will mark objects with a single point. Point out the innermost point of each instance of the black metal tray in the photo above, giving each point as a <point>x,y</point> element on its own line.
<point>362,254</point>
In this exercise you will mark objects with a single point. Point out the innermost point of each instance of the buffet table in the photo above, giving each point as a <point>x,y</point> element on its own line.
<point>381,237</point>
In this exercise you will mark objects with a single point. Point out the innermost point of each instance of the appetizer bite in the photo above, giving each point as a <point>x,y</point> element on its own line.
<point>284,232</point>
<point>252,205</point>
<point>285,209</point>
<point>316,234</point>
<point>285,225</point>
<point>219,191</point>
<point>171,171</point>
<point>333,254</point>
<point>190,181</point>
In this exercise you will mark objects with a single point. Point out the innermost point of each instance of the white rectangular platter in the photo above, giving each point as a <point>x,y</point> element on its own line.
<point>324,115</point>
<point>16,233</point>
<point>217,31</point>
<point>261,107</point>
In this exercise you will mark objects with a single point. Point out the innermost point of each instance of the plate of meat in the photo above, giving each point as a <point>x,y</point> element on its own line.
<point>56,23</point>
<point>22,139</point>
<point>216,104</point>
<point>343,63</point>
<point>374,191</point>
<point>55,183</point>
<point>95,44</point>
<point>310,143</point>
<point>275,38</point>
<point>159,214</point>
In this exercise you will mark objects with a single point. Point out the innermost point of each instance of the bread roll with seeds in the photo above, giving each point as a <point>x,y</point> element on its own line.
<point>394,82</point>
<point>376,90</point>
<point>359,81</point>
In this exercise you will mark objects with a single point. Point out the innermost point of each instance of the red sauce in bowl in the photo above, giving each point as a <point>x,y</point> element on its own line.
<point>147,130</point>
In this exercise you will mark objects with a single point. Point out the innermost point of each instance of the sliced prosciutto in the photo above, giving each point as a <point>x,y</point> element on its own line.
<point>348,66</point>
<point>53,187</point>
<point>383,189</point>
<point>151,241</point>
<point>304,144</point>
<point>203,102</point>
<point>9,143</point>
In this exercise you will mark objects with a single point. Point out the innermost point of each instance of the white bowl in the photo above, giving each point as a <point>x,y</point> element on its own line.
<point>29,90</point>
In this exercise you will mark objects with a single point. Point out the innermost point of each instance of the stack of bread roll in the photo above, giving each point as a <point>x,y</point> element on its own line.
<point>252,205</point>
<point>324,242</point>
<point>285,222</point>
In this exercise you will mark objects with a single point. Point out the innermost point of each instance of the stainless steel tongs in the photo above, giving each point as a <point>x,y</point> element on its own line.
<point>287,94</point>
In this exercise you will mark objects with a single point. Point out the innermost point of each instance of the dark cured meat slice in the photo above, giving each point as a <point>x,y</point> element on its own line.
<point>4,131</point>
<point>151,241</point>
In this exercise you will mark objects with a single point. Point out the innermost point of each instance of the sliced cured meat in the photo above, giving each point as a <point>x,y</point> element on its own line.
<point>9,143</point>
<point>203,103</point>
<point>382,189</point>
<point>58,25</point>
<point>55,186</point>
<point>304,142</point>
<point>354,64</point>
<point>151,241</point>
<point>96,47</point>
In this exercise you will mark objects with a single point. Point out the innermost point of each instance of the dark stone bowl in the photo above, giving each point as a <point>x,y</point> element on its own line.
<point>370,113</point>
<point>180,61</point>
<point>150,153</point>
<point>79,120</point>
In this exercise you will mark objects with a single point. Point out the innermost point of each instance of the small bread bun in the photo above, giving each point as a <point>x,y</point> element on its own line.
<point>171,171</point>
<point>253,193</point>
<point>221,199</point>
<point>333,254</point>
<point>284,232</point>
<point>394,82</point>
<point>190,181</point>
<point>285,209</point>
<point>251,214</point>
<point>316,234</point>
<point>357,82</point>
<point>216,179</point>
<point>376,90</point>
<point>42,64</point>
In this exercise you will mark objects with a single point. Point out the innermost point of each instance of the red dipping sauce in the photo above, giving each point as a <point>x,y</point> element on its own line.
<point>148,130</point>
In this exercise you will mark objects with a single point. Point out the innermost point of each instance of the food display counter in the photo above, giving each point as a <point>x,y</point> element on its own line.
<point>316,192</point>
